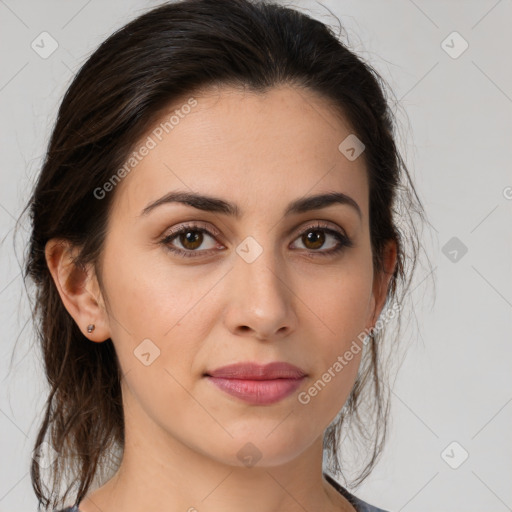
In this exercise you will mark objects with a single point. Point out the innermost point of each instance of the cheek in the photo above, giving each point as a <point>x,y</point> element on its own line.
<point>162,310</point>
<point>335,316</point>
<point>339,296</point>
<point>147,294</point>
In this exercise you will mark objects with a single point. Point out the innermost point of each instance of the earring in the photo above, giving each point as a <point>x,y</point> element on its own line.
<point>90,328</point>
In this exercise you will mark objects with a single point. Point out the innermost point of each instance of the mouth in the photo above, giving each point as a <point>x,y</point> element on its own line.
<point>257,384</point>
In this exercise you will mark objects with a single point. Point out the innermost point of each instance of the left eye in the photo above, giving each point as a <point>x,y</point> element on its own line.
<point>191,237</point>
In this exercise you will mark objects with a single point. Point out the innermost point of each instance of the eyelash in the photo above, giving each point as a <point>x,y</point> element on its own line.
<point>343,240</point>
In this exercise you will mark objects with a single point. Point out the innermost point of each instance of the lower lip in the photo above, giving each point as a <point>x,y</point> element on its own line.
<point>258,392</point>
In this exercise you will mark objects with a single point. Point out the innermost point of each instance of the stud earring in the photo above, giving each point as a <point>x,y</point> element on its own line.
<point>90,328</point>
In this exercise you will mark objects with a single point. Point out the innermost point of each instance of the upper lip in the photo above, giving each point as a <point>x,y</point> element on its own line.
<point>255,371</point>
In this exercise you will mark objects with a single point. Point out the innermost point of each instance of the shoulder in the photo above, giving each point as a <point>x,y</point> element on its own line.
<point>359,505</point>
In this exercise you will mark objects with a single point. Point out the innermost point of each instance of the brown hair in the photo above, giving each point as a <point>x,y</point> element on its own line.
<point>125,85</point>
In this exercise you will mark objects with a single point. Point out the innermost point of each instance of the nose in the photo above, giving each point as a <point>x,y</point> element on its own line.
<point>261,301</point>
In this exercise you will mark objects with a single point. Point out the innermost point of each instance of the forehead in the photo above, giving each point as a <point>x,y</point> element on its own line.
<point>256,149</point>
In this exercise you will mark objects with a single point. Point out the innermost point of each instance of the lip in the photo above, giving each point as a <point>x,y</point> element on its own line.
<point>258,384</point>
<point>255,371</point>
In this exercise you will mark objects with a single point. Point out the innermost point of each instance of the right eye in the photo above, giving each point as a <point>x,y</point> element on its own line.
<point>191,237</point>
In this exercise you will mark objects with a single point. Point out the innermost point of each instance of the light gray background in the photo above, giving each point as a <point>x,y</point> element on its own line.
<point>455,383</point>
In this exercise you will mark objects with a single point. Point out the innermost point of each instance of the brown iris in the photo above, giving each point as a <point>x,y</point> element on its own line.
<point>316,237</point>
<point>191,239</point>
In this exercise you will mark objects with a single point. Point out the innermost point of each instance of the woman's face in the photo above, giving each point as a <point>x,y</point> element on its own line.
<point>261,286</point>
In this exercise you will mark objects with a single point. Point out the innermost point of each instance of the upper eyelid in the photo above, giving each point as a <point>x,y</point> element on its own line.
<point>204,226</point>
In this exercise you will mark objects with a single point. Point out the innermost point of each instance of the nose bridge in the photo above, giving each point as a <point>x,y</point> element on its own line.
<point>261,297</point>
<point>258,265</point>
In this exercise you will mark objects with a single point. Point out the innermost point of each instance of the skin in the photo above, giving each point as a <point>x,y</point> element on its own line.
<point>290,304</point>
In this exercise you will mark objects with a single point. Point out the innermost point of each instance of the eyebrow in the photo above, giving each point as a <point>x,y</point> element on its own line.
<point>217,205</point>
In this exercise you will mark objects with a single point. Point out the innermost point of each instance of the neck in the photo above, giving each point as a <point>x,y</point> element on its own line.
<point>160,472</point>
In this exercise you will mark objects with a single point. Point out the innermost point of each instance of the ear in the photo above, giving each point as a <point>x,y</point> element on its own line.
<point>78,289</point>
<point>381,282</point>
